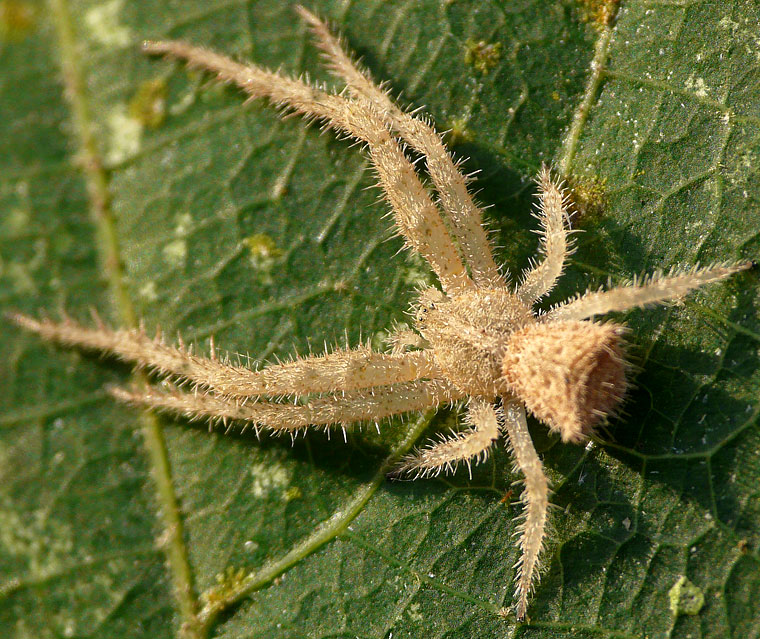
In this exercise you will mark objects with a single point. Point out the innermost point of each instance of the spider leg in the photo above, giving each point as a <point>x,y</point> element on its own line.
<point>538,280</point>
<point>370,404</point>
<point>343,370</point>
<point>464,215</point>
<point>466,446</point>
<point>416,215</point>
<point>535,497</point>
<point>655,289</point>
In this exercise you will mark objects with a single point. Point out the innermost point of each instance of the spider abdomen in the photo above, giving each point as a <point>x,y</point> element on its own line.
<point>569,374</point>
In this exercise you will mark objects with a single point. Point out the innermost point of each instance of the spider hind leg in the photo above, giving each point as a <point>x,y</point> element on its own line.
<point>342,408</point>
<point>535,497</point>
<point>468,447</point>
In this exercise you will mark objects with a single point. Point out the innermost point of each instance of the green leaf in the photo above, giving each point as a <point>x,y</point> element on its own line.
<point>131,186</point>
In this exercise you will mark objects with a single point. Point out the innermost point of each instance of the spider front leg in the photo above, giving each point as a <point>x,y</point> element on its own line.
<point>466,446</point>
<point>343,370</point>
<point>464,215</point>
<point>417,217</point>
<point>554,229</point>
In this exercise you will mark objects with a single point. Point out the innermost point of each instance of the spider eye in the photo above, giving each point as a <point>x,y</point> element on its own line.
<point>425,306</point>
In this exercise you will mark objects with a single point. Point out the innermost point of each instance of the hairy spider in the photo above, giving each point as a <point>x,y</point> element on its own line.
<point>477,339</point>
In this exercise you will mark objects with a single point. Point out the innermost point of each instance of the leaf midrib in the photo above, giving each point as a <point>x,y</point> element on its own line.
<point>107,245</point>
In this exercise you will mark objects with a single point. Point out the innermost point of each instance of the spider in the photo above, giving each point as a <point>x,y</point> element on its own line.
<point>477,338</point>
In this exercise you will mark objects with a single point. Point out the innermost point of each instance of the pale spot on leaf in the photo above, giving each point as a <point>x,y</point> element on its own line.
<point>175,252</point>
<point>685,598</point>
<point>124,135</point>
<point>268,478</point>
<point>104,24</point>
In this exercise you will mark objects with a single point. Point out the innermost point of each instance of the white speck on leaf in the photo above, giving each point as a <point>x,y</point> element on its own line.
<point>268,478</point>
<point>124,135</point>
<point>175,252</point>
<point>104,25</point>
<point>148,291</point>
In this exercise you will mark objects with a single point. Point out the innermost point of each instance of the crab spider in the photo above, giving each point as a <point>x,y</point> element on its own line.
<point>477,339</point>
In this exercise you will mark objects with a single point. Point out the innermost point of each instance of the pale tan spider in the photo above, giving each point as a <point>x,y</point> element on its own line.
<point>478,339</point>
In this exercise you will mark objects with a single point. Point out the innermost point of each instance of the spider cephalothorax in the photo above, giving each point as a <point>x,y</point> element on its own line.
<point>478,338</point>
<point>469,332</point>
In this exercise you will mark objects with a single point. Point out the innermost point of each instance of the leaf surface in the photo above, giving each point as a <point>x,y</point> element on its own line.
<point>221,219</point>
